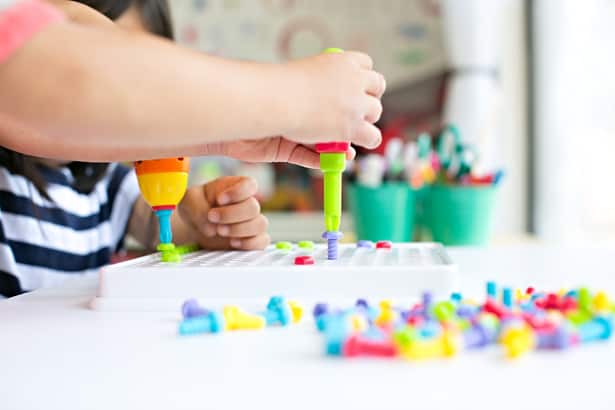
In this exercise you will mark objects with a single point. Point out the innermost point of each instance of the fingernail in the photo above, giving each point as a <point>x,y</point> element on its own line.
<point>235,243</point>
<point>224,199</point>
<point>377,142</point>
<point>213,216</point>
<point>224,230</point>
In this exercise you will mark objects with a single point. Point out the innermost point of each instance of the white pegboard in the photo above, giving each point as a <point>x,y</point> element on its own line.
<point>147,283</point>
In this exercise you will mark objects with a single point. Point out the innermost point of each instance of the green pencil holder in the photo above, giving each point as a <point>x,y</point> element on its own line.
<point>383,213</point>
<point>461,215</point>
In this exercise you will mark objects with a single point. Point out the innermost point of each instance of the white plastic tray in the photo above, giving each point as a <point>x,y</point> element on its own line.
<point>149,284</point>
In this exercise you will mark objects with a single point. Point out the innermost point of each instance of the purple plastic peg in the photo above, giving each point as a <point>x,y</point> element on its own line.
<point>362,303</point>
<point>559,339</point>
<point>320,309</point>
<point>191,308</point>
<point>365,244</point>
<point>427,302</point>
<point>475,337</point>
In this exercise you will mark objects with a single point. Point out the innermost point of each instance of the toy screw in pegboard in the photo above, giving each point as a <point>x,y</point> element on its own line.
<point>332,164</point>
<point>163,183</point>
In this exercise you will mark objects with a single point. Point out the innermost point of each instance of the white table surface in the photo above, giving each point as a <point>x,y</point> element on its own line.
<point>55,353</point>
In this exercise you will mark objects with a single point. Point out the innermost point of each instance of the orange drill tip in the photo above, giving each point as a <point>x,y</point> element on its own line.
<point>154,166</point>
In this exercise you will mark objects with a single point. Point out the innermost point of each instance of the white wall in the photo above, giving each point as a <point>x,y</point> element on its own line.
<point>512,143</point>
<point>575,120</point>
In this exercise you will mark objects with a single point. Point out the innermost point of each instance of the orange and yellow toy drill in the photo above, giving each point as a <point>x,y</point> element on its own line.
<point>163,183</point>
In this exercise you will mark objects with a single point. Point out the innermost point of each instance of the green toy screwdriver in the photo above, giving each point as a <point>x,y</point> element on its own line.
<point>332,164</point>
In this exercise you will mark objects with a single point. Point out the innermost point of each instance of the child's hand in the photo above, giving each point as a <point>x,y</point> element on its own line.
<point>225,214</point>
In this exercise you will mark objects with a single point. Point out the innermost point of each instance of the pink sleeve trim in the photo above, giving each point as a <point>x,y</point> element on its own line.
<point>20,22</point>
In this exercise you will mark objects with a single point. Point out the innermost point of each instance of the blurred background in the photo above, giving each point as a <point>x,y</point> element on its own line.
<point>501,114</point>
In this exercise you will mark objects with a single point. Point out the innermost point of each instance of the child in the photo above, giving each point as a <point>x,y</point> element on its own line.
<point>79,91</point>
<point>58,219</point>
<point>61,97</point>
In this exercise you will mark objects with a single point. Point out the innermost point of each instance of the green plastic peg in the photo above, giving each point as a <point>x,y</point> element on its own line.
<point>284,246</point>
<point>306,245</point>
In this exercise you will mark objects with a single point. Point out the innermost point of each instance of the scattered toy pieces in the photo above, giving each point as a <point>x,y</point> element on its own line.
<point>429,329</point>
<point>198,320</point>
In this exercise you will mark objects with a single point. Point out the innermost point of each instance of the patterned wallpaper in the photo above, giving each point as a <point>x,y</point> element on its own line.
<point>403,36</point>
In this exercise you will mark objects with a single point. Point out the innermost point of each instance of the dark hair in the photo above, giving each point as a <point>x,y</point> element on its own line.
<point>155,14</point>
<point>156,17</point>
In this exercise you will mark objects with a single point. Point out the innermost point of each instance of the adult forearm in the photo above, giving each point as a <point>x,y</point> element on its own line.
<point>105,95</point>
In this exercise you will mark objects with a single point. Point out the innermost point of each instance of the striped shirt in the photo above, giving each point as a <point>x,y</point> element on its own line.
<point>43,242</point>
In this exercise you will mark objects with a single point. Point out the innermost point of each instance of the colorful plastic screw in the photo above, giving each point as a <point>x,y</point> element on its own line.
<point>477,336</point>
<point>444,311</point>
<point>296,310</point>
<point>332,244</point>
<point>237,319</point>
<point>517,340</point>
<point>278,312</point>
<point>336,333</point>
<point>320,309</point>
<point>492,290</point>
<point>495,308</point>
<point>558,338</point>
<point>357,346</point>
<point>427,302</point>
<point>507,298</point>
<point>213,322</point>
<point>358,323</point>
<point>601,302</point>
<point>600,328</point>
<point>446,345</point>
<point>362,303</point>
<point>387,315</point>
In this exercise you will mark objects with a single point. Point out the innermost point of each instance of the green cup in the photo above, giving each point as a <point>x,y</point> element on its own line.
<point>461,215</point>
<point>383,213</point>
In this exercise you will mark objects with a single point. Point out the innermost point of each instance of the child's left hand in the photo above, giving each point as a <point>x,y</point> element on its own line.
<point>225,214</point>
